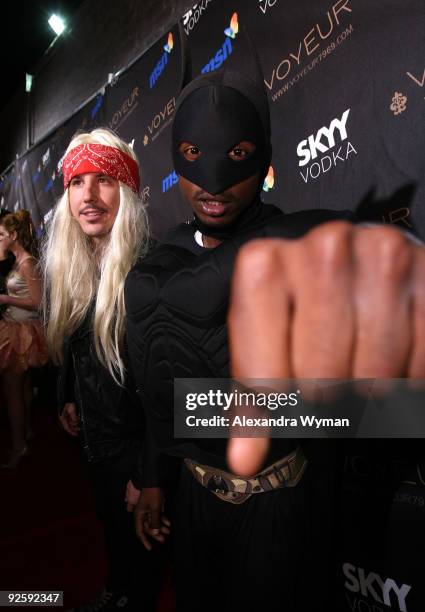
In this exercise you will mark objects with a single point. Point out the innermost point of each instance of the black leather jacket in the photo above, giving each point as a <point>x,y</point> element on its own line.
<point>112,421</point>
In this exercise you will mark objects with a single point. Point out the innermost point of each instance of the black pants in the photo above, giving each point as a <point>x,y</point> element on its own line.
<point>270,553</point>
<point>132,569</point>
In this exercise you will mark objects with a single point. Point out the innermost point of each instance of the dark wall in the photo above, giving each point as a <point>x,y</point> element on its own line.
<point>105,37</point>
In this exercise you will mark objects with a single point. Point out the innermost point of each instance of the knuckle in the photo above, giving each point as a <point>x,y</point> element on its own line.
<point>387,250</point>
<point>257,262</point>
<point>328,247</point>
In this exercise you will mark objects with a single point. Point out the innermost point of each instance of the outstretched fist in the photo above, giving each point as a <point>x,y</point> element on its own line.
<point>344,301</point>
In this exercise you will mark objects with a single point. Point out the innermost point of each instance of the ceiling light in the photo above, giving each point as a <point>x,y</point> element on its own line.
<point>57,24</point>
<point>28,82</point>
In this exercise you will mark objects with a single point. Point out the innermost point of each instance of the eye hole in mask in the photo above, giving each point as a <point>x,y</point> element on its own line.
<point>240,152</point>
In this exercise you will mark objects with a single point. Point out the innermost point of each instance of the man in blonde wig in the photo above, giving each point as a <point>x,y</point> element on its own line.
<point>99,230</point>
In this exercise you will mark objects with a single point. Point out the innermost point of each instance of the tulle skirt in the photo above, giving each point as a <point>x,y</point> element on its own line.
<point>22,345</point>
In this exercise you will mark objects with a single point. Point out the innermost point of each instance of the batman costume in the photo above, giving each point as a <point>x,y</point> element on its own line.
<point>269,549</point>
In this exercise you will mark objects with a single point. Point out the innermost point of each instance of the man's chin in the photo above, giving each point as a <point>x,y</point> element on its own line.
<point>214,220</point>
<point>93,231</point>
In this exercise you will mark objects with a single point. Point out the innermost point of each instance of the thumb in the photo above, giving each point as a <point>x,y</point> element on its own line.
<point>245,456</point>
<point>155,521</point>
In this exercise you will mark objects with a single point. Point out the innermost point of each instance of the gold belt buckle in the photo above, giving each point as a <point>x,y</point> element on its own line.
<point>225,486</point>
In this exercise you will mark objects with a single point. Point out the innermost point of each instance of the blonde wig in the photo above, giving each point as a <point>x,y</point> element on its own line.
<point>79,278</point>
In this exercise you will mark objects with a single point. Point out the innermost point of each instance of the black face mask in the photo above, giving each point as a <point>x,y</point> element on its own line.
<point>215,112</point>
<point>215,118</point>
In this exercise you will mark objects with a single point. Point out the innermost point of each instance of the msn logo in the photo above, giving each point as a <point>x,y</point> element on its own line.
<point>169,181</point>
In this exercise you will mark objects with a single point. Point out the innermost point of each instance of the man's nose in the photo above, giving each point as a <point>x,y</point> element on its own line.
<point>91,192</point>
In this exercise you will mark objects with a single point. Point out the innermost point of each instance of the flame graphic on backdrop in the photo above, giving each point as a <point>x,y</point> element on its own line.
<point>234,26</point>
<point>170,43</point>
<point>269,180</point>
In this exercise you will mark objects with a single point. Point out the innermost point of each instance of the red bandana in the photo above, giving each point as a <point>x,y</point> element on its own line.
<point>102,159</point>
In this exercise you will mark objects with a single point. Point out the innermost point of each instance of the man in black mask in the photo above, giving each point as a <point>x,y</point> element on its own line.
<point>232,548</point>
<point>222,151</point>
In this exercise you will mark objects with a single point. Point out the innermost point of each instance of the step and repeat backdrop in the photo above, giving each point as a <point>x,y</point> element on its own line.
<point>346,86</point>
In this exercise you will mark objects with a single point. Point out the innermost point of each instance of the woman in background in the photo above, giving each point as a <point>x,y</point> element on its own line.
<point>22,343</point>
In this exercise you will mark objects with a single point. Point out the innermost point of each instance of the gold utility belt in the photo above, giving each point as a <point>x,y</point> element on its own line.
<point>286,472</point>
